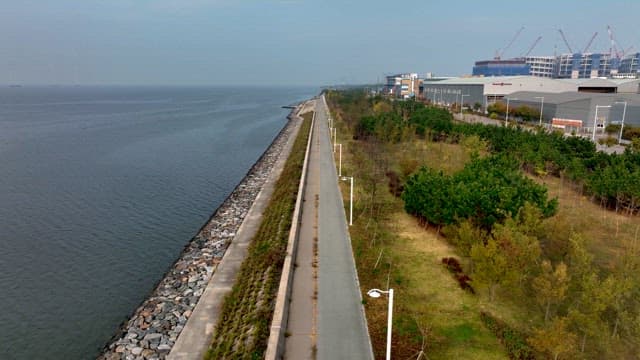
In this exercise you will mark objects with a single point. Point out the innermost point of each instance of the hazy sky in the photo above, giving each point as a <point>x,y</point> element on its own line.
<point>285,42</point>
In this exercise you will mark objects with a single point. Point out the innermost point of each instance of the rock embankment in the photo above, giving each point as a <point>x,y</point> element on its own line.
<point>153,328</point>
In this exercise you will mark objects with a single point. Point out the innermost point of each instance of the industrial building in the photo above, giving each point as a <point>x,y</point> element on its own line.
<point>402,85</point>
<point>629,67</point>
<point>574,111</point>
<point>498,67</point>
<point>542,66</point>
<point>572,65</point>
<point>563,98</point>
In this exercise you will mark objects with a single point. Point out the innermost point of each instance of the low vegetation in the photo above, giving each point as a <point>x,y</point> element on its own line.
<point>551,276</point>
<point>243,329</point>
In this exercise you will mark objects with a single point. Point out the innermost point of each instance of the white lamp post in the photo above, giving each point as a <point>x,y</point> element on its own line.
<point>462,101</point>
<point>345,178</point>
<point>339,158</point>
<point>376,293</point>
<point>506,119</point>
<point>595,120</point>
<point>624,112</point>
<point>541,107</point>
<point>335,138</point>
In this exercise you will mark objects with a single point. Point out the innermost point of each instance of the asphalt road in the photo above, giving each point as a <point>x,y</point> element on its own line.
<point>332,319</point>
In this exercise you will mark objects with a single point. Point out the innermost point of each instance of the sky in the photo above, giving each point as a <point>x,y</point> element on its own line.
<point>286,42</point>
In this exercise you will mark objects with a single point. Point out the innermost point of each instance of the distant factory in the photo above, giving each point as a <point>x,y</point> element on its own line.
<point>615,63</point>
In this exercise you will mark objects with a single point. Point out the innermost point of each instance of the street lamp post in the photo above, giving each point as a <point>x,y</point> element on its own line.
<point>595,120</point>
<point>506,119</point>
<point>624,112</point>
<point>331,137</point>
<point>376,293</point>
<point>339,158</point>
<point>462,101</point>
<point>541,107</point>
<point>345,178</point>
<point>335,137</point>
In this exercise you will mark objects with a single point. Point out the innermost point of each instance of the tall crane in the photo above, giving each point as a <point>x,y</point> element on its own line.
<point>626,52</point>
<point>532,46</point>
<point>590,42</point>
<point>613,50</point>
<point>500,52</point>
<point>565,40</point>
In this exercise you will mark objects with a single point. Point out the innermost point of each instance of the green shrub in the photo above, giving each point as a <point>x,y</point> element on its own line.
<point>514,341</point>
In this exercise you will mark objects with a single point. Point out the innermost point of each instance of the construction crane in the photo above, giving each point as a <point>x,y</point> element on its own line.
<point>590,42</point>
<point>565,40</point>
<point>626,52</point>
<point>532,46</point>
<point>613,50</point>
<point>500,52</point>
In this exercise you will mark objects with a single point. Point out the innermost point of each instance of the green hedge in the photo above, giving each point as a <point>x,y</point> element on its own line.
<point>514,341</point>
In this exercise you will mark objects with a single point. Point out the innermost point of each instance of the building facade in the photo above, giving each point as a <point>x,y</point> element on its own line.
<point>402,85</point>
<point>629,66</point>
<point>542,66</point>
<point>564,66</point>
<point>511,67</point>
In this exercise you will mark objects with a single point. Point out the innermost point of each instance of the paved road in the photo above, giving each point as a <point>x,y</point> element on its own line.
<point>331,320</point>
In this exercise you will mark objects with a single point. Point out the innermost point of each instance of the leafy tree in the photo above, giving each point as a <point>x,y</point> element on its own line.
<point>554,339</point>
<point>550,287</point>
<point>589,305</point>
<point>491,267</point>
<point>464,235</point>
<point>521,249</point>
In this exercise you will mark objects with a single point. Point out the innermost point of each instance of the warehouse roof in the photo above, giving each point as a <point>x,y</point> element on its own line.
<point>569,96</point>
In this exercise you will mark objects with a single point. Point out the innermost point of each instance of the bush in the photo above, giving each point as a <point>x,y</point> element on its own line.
<point>395,185</point>
<point>514,341</point>
<point>454,267</point>
<point>486,191</point>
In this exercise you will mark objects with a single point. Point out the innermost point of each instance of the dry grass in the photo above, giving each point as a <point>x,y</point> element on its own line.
<point>451,313</point>
<point>399,253</point>
<point>607,233</point>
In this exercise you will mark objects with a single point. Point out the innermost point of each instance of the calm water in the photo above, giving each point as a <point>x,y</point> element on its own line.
<point>100,188</point>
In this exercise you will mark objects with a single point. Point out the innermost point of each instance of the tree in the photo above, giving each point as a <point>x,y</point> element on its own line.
<point>522,250</point>
<point>589,304</point>
<point>464,235</point>
<point>491,267</point>
<point>554,339</point>
<point>550,287</point>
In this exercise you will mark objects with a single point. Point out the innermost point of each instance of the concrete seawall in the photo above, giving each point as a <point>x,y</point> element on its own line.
<point>275,345</point>
<point>157,324</point>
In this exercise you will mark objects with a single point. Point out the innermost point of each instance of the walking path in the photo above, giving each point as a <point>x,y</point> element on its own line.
<point>326,316</point>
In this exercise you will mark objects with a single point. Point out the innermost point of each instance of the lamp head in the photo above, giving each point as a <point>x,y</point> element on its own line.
<point>374,293</point>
